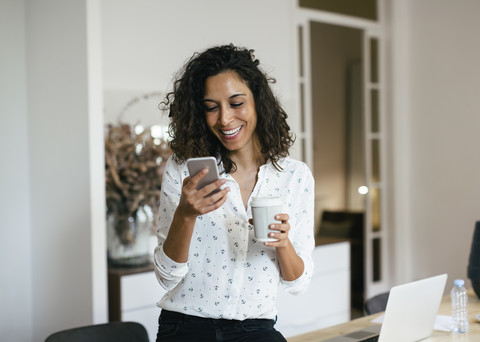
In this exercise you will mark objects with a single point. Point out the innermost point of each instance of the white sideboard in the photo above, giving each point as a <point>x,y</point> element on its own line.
<point>327,300</point>
<point>133,294</point>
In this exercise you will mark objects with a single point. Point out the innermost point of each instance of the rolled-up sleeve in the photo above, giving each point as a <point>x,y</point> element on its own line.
<point>169,273</point>
<point>302,233</point>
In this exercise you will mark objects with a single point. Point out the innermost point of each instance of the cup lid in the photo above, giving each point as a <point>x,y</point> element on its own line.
<point>260,201</point>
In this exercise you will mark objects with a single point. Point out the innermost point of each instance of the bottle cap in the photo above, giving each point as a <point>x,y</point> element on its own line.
<point>458,282</point>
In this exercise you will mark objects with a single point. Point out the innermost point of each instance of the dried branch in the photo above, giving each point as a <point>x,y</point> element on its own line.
<point>134,165</point>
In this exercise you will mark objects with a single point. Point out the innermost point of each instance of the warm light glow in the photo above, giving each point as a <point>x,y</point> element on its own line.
<point>156,131</point>
<point>139,129</point>
<point>363,190</point>
<point>138,149</point>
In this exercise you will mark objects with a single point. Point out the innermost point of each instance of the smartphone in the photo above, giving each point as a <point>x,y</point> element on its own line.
<point>195,165</point>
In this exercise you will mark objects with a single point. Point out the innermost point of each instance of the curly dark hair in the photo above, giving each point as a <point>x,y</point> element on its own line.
<point>190,134</point>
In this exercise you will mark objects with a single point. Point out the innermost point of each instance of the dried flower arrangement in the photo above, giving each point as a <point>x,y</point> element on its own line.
<point>134,164</point>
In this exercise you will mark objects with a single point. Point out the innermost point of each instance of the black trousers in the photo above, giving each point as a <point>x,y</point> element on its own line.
<point>178,327</point>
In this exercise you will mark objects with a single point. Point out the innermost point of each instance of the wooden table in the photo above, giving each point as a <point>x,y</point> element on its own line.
<point>438,336</point>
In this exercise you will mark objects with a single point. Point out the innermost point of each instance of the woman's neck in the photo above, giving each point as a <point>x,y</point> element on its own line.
<point>245,174</point>
<point>247,161</point>
<point>249,158</point>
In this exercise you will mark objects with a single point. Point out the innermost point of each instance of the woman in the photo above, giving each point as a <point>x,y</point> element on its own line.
<point>221,281</point>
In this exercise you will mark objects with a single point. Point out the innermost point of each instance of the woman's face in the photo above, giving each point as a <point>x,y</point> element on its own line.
<point>230,111</point>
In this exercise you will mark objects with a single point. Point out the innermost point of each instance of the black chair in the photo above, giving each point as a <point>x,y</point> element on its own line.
<point>473,269</point>
<point>108,332</point>
<point>376,304</point>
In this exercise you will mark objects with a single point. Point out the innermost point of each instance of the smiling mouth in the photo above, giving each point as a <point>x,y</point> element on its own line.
<point>232,133</point>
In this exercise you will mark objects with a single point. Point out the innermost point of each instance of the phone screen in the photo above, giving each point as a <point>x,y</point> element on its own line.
<point>195,165</point>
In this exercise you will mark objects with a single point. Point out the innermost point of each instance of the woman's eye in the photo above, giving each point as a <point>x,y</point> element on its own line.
<point>210,109</point>
<point>235,105</point>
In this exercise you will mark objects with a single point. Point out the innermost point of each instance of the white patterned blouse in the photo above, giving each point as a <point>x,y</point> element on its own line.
<point>229,274</point>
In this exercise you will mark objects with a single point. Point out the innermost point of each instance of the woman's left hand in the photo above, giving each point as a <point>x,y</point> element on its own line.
<point>291,265</point>
<point>279,231</point>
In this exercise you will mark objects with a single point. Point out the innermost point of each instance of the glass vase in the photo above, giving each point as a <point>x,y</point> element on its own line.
<point>128,239</point>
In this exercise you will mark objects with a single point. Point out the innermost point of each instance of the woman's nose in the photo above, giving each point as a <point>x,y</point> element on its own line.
<point>225,116</point>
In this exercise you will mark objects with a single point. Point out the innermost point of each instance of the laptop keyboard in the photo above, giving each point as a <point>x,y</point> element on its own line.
<point>363,336</point>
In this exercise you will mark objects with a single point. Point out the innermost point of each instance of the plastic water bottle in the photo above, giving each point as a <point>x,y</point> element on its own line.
<point>459,307</point>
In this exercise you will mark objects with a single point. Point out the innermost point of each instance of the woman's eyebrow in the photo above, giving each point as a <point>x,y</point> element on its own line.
<point>231,97</point>
<point>235,95</point>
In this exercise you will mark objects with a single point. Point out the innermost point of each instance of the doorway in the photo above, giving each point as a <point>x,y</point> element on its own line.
<point>338,142</point>
<point>341,90</point>
<point>337,117</point>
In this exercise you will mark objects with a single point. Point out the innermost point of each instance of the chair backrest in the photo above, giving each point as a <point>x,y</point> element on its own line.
<point>376,304</point>
<point>342,224</point>
<point>108,332</point>
<point>474,260</point>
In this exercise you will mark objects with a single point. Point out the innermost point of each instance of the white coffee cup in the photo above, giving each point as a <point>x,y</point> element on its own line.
<point>264,210</point>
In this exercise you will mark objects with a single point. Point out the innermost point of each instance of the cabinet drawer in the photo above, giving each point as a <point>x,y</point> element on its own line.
<point>332,257</point>
<point>327,300</point>
<point>140,290</point>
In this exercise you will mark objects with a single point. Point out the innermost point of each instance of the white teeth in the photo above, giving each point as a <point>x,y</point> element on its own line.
<point>232,131</point>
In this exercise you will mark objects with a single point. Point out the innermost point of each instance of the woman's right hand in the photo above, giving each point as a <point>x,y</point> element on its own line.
<point>195,202</point>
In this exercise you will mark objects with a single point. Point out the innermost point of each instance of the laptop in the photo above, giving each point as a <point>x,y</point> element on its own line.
<point>409,316</point>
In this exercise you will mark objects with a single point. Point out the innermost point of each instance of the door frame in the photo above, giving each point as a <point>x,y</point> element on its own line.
<point>370,29</point>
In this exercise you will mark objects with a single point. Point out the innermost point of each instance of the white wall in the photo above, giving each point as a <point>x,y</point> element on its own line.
<point>445,122</point>
<point>440,104</point>
<point>146,42</point>
<point>52,187</point>
<point>62,186</point>
<point>15,229</point>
